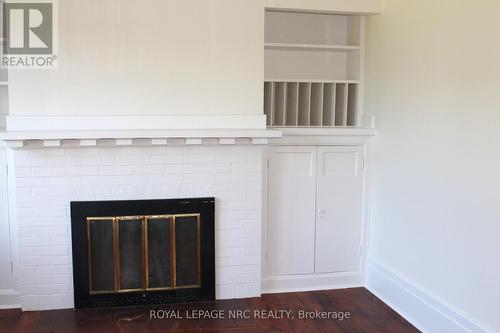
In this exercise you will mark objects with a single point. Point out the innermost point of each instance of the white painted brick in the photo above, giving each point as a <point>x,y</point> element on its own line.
<point>54,192</point>
<point>61,260</point>
<point>115,170</point>
<point>167,159</point>
<point>63,301</point>
<point>49,211</point>
<point>225,292</point>
<point>246,167</point>
<point>35,260</point>
<point>230,177</point>
<point>83,171</point>
<point>52,250</point>
<point>30,162</point>
<point>245,205</point>
<point>66,181</point>
<point>198,178</point>
<point>229,173</point>
<point>30,302</point>
<point>61,240</point>
<point>50,231</point>
<point>23,193</point>
<point>49,171</point>
<point>65,161</point>
<point>23,212</point>
<point>35,241</point>
<point>24,172</point>
<point>148,170</point>
<point>199,158</point>
<point>100,160</point>
<point>32,182</point>
<point>45,290</point>
<point>47,152</point>
<point>53,269</point>
<point>132,160</point>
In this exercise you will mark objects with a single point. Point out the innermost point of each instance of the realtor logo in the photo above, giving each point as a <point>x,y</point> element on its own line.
<point>29,34</point>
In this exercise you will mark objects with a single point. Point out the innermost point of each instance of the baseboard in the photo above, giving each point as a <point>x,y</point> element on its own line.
<point>422,309</point>
<point>81,123</point>
<point>311,282</point>
<point>9,299</point>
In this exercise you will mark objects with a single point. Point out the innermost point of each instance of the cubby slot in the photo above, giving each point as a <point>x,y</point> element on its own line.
<point>268,102</point>
<point>279,104</point>
<point>341,104</point>
<point>292,104</point>
<point>329,105</point>
<point>316,104</point>
<point>352,101</point>
<point>304,104</point>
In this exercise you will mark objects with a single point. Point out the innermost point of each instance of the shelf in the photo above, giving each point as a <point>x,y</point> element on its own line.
<point>312,81</point>
<point>4,83</point>
<point>310,47</point>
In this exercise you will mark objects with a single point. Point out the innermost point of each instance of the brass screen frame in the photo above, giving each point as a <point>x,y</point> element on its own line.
<point>115,220</point>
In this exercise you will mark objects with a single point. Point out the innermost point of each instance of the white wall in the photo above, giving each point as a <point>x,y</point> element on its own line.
<point>433,78</point>
<point>156,57</point>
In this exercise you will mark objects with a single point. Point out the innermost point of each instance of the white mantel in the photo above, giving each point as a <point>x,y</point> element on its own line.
<point>29,139</point>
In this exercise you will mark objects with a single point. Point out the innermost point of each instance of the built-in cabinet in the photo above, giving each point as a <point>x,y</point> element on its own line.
<point>315,211</point>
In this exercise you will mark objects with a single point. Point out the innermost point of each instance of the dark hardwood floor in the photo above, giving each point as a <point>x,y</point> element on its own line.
<point>366,314</point>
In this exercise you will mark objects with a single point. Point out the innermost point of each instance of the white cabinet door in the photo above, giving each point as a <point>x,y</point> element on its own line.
<point>292,194</point>
<point>339,209</point>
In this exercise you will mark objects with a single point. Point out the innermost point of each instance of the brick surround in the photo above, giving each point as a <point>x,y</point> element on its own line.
<point>48,179</point>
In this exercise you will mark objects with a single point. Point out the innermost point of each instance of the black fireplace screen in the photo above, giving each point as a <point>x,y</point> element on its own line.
<point>143,252</point>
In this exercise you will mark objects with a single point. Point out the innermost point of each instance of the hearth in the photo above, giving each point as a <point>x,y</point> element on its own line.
<point>143,252</point>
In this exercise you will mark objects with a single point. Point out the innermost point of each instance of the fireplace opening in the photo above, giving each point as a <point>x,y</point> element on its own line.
<point>143,252</point>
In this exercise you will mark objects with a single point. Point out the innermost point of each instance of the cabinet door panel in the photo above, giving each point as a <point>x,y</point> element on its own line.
<point>339,209</point>
<point>292,192</point>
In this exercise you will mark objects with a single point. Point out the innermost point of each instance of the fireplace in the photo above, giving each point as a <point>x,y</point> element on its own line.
<point>143,252</point>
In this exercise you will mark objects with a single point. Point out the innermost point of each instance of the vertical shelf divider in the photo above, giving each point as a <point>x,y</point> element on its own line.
<point>279,103</point>
<point>304,104</point>
<point>341,104</point>
<point>268,102</point>
<point>316,104</point>
<point>352,107</point>
<point>329,105</point>
<point>292,104</point>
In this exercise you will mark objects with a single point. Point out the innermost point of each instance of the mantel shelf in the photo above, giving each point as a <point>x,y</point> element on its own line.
<point>135,137</point>
<point>310,47</point>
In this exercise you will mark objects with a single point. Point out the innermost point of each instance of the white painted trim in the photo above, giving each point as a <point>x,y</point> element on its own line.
<point>363,7</point>
<point>420,307</point>
<point>311,282</point>
<point>123,122</point>
<point>139,134</point>
<point>9,299</point>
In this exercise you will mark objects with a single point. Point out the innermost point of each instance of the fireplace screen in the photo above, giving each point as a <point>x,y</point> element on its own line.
<point>121,258</point>
<point>137,253</point>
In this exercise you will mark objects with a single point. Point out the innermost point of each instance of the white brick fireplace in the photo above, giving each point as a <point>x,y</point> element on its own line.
<point>45,180</point>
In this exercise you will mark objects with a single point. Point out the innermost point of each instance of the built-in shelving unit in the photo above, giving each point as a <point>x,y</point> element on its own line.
<point>313,69</point>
